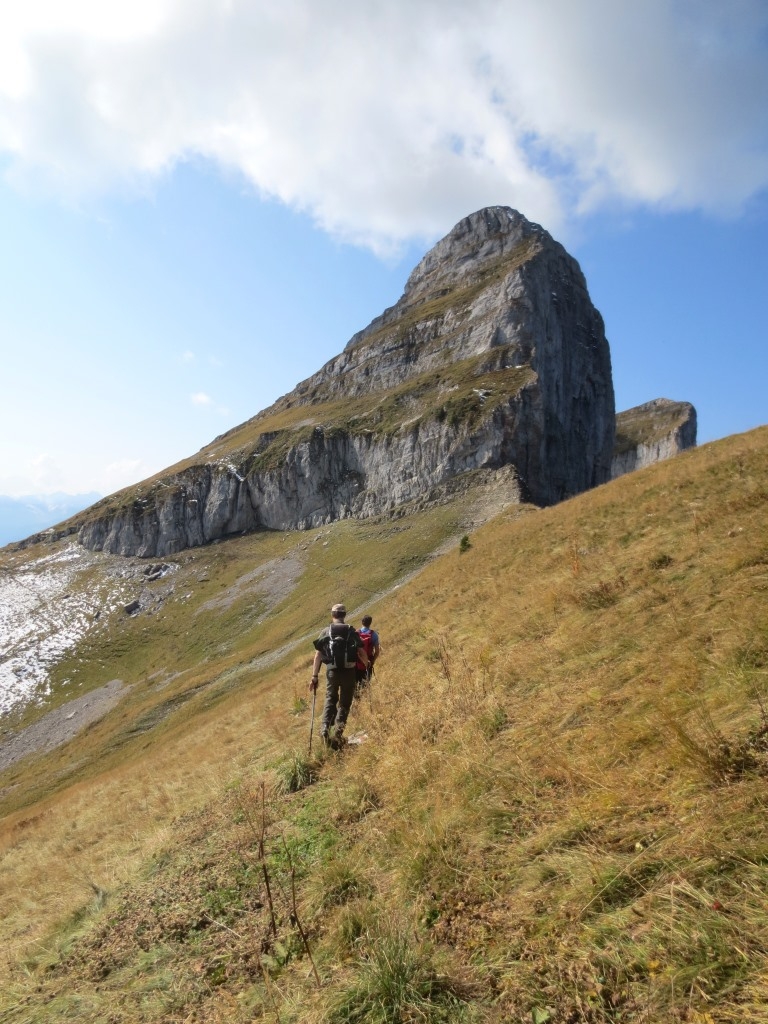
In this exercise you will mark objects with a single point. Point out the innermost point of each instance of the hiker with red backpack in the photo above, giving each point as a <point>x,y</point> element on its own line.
<point>338,648</point>
<point>370,640</point>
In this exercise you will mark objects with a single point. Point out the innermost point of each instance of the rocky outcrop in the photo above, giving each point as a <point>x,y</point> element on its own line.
<point>328,477</point>
<point>494,357</point>
<point>652,432</point>
<point>500,290</point>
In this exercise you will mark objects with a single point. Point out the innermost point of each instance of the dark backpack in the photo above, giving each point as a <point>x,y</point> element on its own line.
<point>339,647</point>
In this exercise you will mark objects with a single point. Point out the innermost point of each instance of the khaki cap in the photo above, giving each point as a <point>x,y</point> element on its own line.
<point>338,609</point>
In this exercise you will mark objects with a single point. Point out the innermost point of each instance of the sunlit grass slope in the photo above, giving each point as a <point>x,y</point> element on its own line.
<point>558,815</point>
<point>205,689</point>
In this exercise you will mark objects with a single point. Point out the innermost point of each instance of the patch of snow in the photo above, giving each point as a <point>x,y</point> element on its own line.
<point>45,611</point>
<point>234,472</point>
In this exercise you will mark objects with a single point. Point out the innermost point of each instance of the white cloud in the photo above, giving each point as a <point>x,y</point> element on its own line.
<point>204,401</point>
<point>391,121</point>
<point>46,473</point>
<point>123,473</point>
<point>53,474</point>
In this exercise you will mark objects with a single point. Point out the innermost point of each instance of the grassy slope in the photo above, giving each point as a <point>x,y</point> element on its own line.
<point>201,693</point>
<point>559,814</point>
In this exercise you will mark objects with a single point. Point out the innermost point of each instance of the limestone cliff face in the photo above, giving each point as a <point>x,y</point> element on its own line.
<point>494,358</point>
<point>330,476</point>
<point>652,432</point>
<point>500,290</point>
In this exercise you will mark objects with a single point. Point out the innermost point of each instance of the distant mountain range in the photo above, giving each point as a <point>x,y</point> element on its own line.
<point>31,513</point>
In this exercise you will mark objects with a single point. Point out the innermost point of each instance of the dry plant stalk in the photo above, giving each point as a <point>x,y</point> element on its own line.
<point>295,915</point>
<point>260,836</point>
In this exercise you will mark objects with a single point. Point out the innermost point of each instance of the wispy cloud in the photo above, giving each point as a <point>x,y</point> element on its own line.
<point>123,473</point>
<point>50,474</point>
<point>189,358</point>
<point>46,473</point>
<point>204,401</point>
<point>390,121</point>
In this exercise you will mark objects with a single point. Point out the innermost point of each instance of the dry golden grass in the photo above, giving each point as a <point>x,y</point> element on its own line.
<point>559,814</point>
<point>91,839</point>
<point>82,819</point>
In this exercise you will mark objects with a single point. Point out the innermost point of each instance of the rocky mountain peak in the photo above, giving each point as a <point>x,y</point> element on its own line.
<point>492,288</point>
<point>478,239</point>
<point>493,361</point>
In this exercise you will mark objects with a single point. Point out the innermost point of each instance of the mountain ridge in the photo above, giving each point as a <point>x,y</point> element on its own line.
<point>494,357</point>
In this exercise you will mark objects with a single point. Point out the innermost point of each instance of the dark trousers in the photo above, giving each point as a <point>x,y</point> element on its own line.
<point>339,691</point>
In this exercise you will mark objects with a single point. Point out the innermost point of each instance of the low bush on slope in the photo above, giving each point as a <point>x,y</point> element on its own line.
<point>558,814</point>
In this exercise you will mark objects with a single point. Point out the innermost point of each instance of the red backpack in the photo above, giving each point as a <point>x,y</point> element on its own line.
<point>366,636</point>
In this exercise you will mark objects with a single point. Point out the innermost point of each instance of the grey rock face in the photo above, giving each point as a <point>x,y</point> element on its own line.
<point>494,357</point>
<point>331,476</point>
<point>500,289</point>
<point>652,432</point>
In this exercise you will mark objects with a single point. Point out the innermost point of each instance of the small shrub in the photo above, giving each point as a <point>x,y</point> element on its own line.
<point>603,594</point>
<point>398,980</point>
<point>464,544</point>
<point>620,886</point>
<point>493,721</point>
<point>357,800</point>
<point>722,760</point>
<point>299,705</point>
<point>295,772</point>
<point>339,883</point>
<point>754,654</point>
<point>355,921</point>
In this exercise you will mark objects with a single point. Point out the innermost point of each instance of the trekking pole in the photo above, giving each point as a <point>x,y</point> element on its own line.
<point>312,723</point>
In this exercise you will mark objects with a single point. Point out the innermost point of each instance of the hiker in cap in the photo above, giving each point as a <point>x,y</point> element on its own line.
<point>338,647</point>
<point>370,641</point>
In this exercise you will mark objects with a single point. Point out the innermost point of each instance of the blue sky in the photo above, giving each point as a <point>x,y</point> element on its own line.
<point>201,202</point>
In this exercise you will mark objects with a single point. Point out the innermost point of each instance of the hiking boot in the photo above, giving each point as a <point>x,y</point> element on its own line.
<point>337,741</point>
